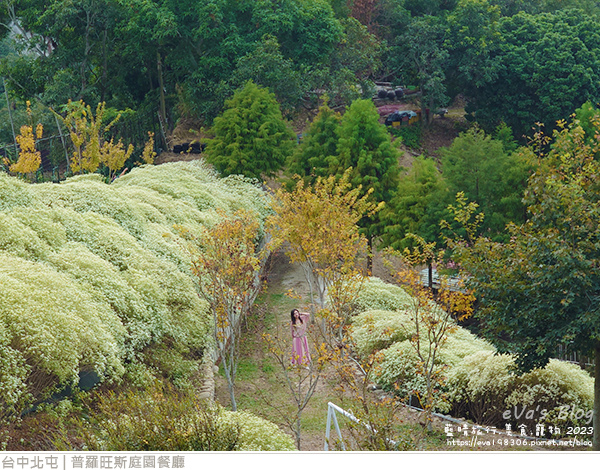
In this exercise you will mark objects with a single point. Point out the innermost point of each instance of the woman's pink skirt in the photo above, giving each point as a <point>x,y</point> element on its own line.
<point>300,354</point>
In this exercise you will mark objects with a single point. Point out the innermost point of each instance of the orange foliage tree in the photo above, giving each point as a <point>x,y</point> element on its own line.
<point>432,314</point>
<point>226,261</point>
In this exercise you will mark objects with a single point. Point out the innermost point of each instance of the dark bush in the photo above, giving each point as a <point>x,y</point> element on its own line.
<point>158,419</point>
<point>412,136</point>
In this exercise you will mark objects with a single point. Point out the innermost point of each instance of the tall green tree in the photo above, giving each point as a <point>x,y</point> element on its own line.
<point>316,154</point>
<point>354,64</point>
<point>418,206</point>
<point>186,55</point>
<point>365,146</point>
<point>423,58</point>
<point>74,44</point>
<point>539,291</point>
<point>225,31</point>
<point>477,165</point>
<point>471,35</point>
<point>266,66</point>
<point>250,137</point>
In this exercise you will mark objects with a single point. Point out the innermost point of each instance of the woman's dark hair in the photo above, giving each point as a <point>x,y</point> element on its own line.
<point>294,318</point>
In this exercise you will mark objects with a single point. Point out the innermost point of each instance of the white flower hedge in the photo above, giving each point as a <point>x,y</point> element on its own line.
<point>480,384</point>
<point>92,276</point>
<point>257,434</point>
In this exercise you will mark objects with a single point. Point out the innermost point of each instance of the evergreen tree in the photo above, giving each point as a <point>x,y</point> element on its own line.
<point>314,156</point>
<point>250,137</point>
<point>477,165</point>
<point>365,146</point>
<point>418,206</point>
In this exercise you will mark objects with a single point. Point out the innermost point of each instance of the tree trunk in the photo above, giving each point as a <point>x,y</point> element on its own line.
<point>430,275</point>
<point>369,254</point>
<point>298,432</point>
<point>430,114</point>
<point>596,415</point>
<point>12,124</point>
<point>424,120</point>
<point>230,384</point>
<point>104,68</point>
<point>163,106</point>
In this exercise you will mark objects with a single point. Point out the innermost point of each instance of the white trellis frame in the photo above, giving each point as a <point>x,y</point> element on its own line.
<point>332,409</point>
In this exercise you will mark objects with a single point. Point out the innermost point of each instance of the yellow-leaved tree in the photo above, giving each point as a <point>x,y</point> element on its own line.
<point>91,149</point>
<point>86,131</point>
<point>432,313</point>
<point>148,154</point>
<point>114,156</point>
<point>30,159</point>
<point>320,225</point>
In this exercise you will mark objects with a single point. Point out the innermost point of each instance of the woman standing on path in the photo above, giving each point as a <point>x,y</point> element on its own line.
<point>300,354</point>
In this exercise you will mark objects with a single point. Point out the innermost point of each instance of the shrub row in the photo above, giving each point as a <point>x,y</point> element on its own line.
<point>479,383</point>
<point>89,281</point>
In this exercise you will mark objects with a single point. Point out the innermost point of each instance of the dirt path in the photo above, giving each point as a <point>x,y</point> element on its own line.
<point>259,386</point>
<point>261,390</point>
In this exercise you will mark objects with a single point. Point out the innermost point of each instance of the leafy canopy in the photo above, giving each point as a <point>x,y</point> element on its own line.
<point>250,137</point>
<point>319,222</point>
<point>477,165</point>
<point>417,207</point>
<point>539,290</point>
<point>541,69</point>
<point>316,153</point>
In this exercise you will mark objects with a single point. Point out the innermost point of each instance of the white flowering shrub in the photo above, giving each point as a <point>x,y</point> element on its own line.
<point>40,221</point>
<point>397,368</point>
<point>479,384</point>
<point>194,182</point>
<point>558,385</point>
<point>460,344</point>
<point>379,295</point>
<point>93,277</point>
<point>16,193</point>
<point>20,240</point>
<point>57,327</point>
<point>257,434</point>
<point>484,388</point>
<point>374,330</point>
